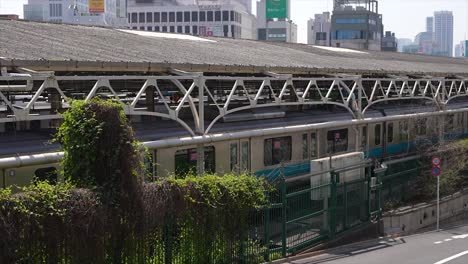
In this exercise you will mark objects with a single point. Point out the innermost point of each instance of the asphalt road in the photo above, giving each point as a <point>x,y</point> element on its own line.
<point>447,246</point>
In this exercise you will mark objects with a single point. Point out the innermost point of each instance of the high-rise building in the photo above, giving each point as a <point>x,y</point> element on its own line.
<point>443,33</point>
<point>430,24</point>
<point>356,24</point>
<point>318,30</point>
<point>219,18</point>
<point>280,29</point>
<point>458,52</point>
<point>89,12</point>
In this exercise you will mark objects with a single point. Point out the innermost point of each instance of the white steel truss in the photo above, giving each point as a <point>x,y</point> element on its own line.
<point>178,97</point>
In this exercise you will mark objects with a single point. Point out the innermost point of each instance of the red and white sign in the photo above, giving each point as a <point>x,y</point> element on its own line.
<point>436,161</point>
<point>436,171</point>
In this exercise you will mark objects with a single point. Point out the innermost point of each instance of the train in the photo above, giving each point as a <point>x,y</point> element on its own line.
<point>286,144</point>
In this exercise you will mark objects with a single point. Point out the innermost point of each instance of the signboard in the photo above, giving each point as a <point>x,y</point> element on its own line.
<point>436,171</point>
<point>277,8</point>
<point>436,161</point>
<point>97,6</point>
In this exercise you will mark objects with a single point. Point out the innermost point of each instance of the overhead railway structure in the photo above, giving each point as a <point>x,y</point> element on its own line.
<point>223,105</point>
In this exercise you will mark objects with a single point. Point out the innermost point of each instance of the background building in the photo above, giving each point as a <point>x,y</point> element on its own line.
<point>280,28</point>
<point>389,42</point>
<point>221,18</point>
<point>89,12</point>
<point>458,52</point>
<point>443,33</point>
<point>402,42</point>
<point>357,24</point>
<point>318,30</point>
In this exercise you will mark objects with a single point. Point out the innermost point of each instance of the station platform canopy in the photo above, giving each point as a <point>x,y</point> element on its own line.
<point>68,48</point>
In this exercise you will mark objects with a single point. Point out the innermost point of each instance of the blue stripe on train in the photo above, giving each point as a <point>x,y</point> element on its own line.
<point>304,168</point>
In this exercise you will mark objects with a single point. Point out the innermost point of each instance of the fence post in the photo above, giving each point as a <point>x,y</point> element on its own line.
<point>333,201</point>
<point>266,232</point>
<point>284,220</point>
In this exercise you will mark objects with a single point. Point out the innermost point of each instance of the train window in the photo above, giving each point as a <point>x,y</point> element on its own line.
<point>186,161</point>
<point>305,146</point>
<point>364,138</point>
<point>245,156</point>
<point>377,131</point>
<point>313,145</point>
<point>421,127</point>
<point>390,132</point>
<point>46,174</point>
<point>337,141</point>
<point>233,150</point>
<point>277,150</point>
<point>403,130</point>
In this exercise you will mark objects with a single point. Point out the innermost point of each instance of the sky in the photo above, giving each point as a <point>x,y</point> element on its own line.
<point>404,17</point>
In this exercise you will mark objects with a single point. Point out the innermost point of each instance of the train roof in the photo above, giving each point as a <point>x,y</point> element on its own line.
<point>64,47</point>
<point>28,142</point>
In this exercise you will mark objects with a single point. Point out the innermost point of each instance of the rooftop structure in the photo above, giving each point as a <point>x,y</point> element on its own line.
<point>103,13</point>
<point>220,18</point>
<point>318,29</point>
<point>357,24</point>
<point>389,42</point>
<point>274,27</point>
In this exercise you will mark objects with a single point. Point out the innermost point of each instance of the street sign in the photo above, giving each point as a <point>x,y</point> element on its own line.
<point>436,171</point>
<point>277,9</point>
<point>436,161</point>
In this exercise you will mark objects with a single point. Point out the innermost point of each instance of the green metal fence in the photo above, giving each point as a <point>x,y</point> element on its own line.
<point>303,214</point>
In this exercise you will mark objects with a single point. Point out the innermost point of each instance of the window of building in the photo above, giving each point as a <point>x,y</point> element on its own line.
<point>134,18</point>
<point>157,17</point>
<point>209,16</point>
<point>337,141</point>
<point>156,28</point>
<point>350,21</point>
<point>128,18</point>
<point>186,161</point>
<point>232,15</point>
<point>195,16</point>
<point>350,34</point>
<point>277,150</point>
<point>217,15</point>
<point>141,17</point>
<point>149,17</point>
<point>305,146</point>
<point>135,28</point>
<point>321,36</point>
<point>164,17</point>
<point>149,28</point>
<point>377,134</point>
<point>226,30</point>
<point>225,15</point>
<point>179,16</point>
<point>234,158</point>
<point>142,28</point>
<point>55,10</point>
<point>179,29</point>
<point>313,145</point>
<point>202,16</point>
<point>195,30</point>
<point>172,29</point>
<point>186,16</point>
<point>187,29</point>
<point>171,17</point>
<point>164,29</point>
<point>245,156</point>
<point>233,29</point>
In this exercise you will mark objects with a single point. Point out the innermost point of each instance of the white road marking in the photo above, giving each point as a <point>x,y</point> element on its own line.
<point>448,239</point>
<point>460,236</point>
<point>438,242</point>
<point>452,257</point>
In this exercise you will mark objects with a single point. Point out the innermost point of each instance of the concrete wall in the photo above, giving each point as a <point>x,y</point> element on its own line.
<point>410,219</point>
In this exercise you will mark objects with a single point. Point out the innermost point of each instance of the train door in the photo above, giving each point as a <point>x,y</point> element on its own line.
<point>240,156</point>
<point>364,140</point>
<point>389,139</point>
